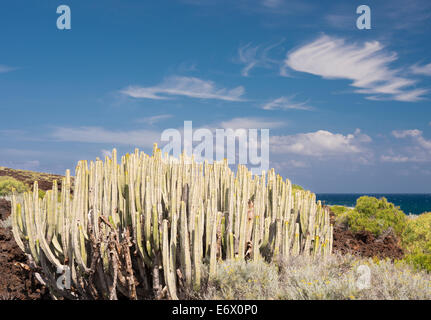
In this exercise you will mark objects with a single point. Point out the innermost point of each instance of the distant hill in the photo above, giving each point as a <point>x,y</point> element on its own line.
<point>44,180</point>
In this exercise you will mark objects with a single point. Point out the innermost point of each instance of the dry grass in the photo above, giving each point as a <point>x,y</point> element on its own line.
<point>246,281</point>
<point>336,278</point>
<point>7,223</point>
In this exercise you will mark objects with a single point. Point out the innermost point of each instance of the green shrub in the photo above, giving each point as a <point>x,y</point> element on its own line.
<point>7,184</point>
<point>41,194</point>
<point>376,215</point>
<point>296,187</point>
<point>341,214</point>
<point>416,241</point>
<point>339,210</point>
<point>421,261</point>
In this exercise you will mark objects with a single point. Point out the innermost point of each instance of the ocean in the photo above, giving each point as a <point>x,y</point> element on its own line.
<point>410,203</point>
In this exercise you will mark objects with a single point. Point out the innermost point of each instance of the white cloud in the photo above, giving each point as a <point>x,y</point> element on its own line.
<point>272,3</point>
<point>185,86</point>
<point>406,133</point>
<point>22,165</point>
<point>341,21</point>
<point>20,153</point>
<point>417,151</point>
<point>256,56</point>
<point>106,153</point>
<point>422,70</point>
<point>320,143</point>
<point>249,123</point>
<point>144,138</point>
<point>153,119</point>
<point>285,103</point>
<point>367,65</point>
<point>397,158</point>
<point>293,164</point>
<point>4,69</point>
<point>416,135</point>
<point>247,56</point>
<point>412,95</point>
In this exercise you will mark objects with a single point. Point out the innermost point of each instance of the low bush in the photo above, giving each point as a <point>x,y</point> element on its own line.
<point>341,214</point>
<point>420,260</point>
<point>416,240</point>
<point>296,187</point>
<point>339,210</point>
<point>377,216</point>
<point>7,184</point>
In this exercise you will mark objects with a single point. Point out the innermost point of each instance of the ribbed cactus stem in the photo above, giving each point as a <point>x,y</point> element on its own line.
<point>127,221</point>
<point>296,243</point>
<point>168,269</point>
<point>197,256</point>
<point>185,246</point>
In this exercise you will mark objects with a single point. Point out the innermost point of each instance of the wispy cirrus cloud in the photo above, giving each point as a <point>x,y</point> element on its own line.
<point>144,138</point>
<point>4,69</point>
<point>272,3</point>
<point>286,103</point>
<point>421,70</point>
<point>395,158</point>
<point>341,21</point>
<point>406,133</point>
<point>249,123</point>
<point>256,56</point>
<point>154,119</point>
<point>22,165</point>
<point>190,87</point>
<point>367,65</point>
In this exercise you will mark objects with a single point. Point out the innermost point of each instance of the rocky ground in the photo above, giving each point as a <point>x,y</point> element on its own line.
<point>16,279</point>
<point>365,244</point>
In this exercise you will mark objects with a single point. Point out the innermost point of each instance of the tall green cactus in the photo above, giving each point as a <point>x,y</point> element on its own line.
<point>148,225</point>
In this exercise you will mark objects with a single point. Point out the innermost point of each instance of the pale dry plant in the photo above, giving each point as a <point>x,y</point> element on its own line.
<point>306,278</point>
<point>237,279</point>
<point>331,278</point>
<point>396,281</point>
<point>6,223</point>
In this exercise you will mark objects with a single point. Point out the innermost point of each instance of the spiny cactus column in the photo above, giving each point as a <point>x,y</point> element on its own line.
<point>150,225</point>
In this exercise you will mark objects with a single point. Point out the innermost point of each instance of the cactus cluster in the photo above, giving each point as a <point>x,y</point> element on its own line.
<point>158,226</point>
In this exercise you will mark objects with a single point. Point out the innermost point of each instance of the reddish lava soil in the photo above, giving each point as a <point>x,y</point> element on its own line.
<point>16,280</point>
<point>4,209</point>
<point>365,244</point>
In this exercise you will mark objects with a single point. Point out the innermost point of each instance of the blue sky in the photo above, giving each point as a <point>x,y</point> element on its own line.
<point>348,110</point>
